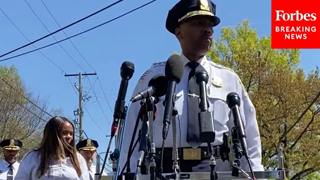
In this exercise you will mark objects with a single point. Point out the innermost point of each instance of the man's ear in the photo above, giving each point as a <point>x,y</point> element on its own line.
<point>178,33</point>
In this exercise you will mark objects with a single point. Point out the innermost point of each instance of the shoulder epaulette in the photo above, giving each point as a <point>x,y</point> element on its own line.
<point>221,66</point>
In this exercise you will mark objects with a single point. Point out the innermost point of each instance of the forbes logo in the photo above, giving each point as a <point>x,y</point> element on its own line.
<point>297,16</point>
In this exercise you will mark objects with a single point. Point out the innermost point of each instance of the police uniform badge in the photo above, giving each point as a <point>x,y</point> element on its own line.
<point>217,82</point>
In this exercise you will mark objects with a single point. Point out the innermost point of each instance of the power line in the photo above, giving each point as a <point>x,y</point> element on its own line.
<point>98,102</point>
<point>90,29</point>
<point>67,35</point>
<point>107,7</point>
<point>42,54</point>
<point>46,58</point>
<point>30,41</point>
<point>53,36</point>
<point>87,110</point>
<point>105,95</point>
<point>94,121</point>
<point>83,59</point>
<point>25,108</point>
<point>25,97</point>
<point>97,152</point>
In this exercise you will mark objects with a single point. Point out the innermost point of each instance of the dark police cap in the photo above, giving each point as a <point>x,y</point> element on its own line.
<point>11,144</point>
<point>87,145</point>
<point>185,9</point>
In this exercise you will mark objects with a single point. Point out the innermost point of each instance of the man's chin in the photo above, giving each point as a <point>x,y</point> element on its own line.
<point>11,161</point>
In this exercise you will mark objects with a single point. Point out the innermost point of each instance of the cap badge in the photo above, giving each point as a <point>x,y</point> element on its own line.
<point>11,142</point>
<point>204,5</point>
<point>89,142</point>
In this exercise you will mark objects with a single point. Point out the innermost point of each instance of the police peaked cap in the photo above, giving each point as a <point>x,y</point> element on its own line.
<point>185,9</point>
<point>87,145</point>
<point>11,144</point>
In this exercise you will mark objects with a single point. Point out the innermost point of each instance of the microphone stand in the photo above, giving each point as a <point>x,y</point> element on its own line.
<point>175,164</point>
<point>152,155</point>
<point>205,117</point>
<point>237,153</point>
<point>174,148</point>
<point>239,136</point>
<point>114,156</point>
<point>281,168</point>
<point>119,142</point>
<point>143,143</point>
<point>96,175</point>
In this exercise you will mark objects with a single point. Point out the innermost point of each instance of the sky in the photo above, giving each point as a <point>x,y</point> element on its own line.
<point>140,38</point>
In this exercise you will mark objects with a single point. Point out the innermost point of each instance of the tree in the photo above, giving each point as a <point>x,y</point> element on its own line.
<point>281,92</point>
<point>22,114</point>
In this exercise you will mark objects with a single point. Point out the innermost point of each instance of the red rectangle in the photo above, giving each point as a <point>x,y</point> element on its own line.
<point>295,24</point>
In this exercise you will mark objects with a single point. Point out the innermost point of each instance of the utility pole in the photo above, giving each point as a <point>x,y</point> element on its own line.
<point>80,112</point>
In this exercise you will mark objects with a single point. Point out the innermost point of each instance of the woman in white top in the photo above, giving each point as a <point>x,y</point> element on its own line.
<point>57,157</point>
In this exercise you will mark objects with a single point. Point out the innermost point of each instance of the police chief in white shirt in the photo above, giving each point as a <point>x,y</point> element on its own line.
<point>87,149</point>
<point>9,165</point>
<point>192,22</point>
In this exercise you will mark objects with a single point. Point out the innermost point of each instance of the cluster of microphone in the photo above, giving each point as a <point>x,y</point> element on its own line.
<point>161,85</point>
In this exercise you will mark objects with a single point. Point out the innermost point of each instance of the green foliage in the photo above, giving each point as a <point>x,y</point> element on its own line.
<point>280,91</point>
<point>19,118</point>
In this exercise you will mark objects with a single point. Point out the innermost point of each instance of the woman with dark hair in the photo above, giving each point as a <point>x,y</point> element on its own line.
<point>57,157</point>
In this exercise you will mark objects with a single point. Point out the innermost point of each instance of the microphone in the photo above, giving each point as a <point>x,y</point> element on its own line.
<point>207,133</point>
<point>173,71</point>
<point>126,72</point>
<point>157,87</point>
<point>202,79</point>
<point>233,101</point>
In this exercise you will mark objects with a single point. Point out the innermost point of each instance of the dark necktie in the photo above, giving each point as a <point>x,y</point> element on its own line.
<point>10,173</point>
<point>193,135</point>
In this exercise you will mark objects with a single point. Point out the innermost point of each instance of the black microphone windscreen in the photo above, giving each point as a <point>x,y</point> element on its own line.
<point>174,68</point>
<point>127,70</point>
<point>161,82</point>
<point>202,76</point>
<point>233,99</point>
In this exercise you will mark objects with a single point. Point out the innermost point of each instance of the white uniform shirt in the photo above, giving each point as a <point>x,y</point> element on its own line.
<point>57,170</point>
<point>93,171</point>
<point>222,81</point>
<point>4,168</point>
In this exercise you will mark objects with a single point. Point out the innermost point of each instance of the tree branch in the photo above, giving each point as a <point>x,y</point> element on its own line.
<point>304,131</point>
<point>304,173</point>
<point>304,112</point>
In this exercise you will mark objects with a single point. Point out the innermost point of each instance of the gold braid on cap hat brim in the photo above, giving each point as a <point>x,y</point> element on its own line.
<point>195,13</point>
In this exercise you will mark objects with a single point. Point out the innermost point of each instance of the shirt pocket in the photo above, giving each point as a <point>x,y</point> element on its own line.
<point>220,109</point>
